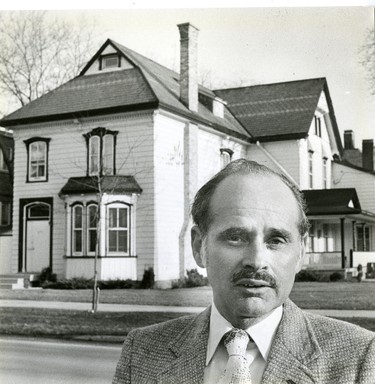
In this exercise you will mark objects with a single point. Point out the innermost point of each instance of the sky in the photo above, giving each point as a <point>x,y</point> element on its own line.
<point>245,46</point>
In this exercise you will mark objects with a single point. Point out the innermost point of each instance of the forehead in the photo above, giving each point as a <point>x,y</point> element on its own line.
<point>252,194</point>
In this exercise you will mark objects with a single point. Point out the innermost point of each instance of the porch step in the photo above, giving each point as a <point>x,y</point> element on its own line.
<point>15,281</point>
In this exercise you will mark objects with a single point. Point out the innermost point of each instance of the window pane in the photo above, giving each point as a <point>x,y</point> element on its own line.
<point>108,155</point>
<point>123,241</point>
<point>112,241</point>
<point>94,154</point>
<point>92,216</point>
<point>123,217</point>
<point>77,242</point>
<point>112,217</point>
<point>92,240</point>
<point>5,213</point>
<point>77,217</point>
<point>38,153</point>
<point>39,211</point>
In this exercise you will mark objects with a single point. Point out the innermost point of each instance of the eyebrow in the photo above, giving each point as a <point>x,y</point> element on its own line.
<point>274,232</point>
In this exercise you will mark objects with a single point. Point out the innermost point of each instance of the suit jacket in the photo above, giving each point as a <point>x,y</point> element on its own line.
<point>307,349</point>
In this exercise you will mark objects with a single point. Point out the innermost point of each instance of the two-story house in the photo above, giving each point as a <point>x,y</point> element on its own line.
<point>108,163</point>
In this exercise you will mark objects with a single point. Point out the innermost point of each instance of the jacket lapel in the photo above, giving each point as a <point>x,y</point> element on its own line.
<point>294,352</point>
<point>190,351</point>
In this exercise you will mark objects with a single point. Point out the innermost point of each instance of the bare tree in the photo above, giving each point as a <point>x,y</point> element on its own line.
<point>367,53</point>
<point>37,54</point>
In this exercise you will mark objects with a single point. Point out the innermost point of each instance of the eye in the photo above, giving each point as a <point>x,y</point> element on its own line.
<point>276,242</point>
<point>236,239</point>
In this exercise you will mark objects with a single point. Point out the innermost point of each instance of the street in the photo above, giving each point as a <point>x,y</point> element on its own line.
<point>41,361</point>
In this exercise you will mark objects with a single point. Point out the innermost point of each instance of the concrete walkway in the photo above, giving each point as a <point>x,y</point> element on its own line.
<point>155,308</point>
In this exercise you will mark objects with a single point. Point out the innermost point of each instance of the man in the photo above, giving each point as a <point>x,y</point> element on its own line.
<point>250,229</point>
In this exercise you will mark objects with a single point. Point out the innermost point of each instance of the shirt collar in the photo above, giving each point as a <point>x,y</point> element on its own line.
<point>262,333</point>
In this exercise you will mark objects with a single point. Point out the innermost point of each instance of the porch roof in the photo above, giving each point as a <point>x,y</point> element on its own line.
<point>109,184</point>
<point>332,201</point>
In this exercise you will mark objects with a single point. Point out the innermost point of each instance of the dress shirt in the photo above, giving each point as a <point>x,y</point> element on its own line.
<point>262,335</point>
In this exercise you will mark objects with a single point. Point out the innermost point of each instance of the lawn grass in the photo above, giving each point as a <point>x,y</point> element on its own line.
<point>69,324</point>
<point>338,295</point>
<point>112,326</point>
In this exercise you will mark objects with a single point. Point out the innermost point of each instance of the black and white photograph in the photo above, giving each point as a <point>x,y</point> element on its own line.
<point>187,192</point>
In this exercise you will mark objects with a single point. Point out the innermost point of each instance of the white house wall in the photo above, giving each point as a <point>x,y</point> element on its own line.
<point>169,195</point>
<point>286,153</point>
<point>363,182</point>
<point>209,155</point>
<point>67,157</point>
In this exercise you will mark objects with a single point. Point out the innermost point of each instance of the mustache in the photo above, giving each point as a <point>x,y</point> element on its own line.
<point>254,275</point>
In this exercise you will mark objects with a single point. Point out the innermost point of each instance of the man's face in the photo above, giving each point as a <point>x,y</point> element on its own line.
<point>252,249</point>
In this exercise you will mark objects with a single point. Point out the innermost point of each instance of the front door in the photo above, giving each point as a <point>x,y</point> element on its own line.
<point>37,245</point>
<point>37,235</point>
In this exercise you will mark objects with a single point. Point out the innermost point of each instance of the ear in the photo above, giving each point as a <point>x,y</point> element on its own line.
<point>197,246</point>
<point>302,254</point>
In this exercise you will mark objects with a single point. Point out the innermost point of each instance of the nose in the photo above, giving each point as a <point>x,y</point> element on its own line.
<point>254,255</point>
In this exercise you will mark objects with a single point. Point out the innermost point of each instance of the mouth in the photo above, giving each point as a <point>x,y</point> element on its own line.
<point>250,283</point>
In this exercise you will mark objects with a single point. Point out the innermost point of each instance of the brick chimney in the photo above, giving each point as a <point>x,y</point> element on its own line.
<point>368,154</point>
<point>348,139</point>
<point>189,65</point>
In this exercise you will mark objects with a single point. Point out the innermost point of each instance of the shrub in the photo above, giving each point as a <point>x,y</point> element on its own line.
<point>74,283</point>
<point>47,275</point>
<point>193,279</point>
<point>306,275</point>
<point>336,276</point>
<point>148,279</point>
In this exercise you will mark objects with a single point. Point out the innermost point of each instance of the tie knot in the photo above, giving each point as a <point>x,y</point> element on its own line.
<point>235,341</point>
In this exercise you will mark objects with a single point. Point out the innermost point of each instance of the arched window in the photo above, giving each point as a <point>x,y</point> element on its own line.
<point>77,226</point>
<point>108,149</point>
<point>92,228</point>
<point>101,144</point>
<point>94,155</point>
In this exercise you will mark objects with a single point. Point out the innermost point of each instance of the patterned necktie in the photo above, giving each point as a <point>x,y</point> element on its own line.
<point>237,368</point>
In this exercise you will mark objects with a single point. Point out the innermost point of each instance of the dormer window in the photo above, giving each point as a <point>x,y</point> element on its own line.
<point>101,146</point>
<point>110,61</point>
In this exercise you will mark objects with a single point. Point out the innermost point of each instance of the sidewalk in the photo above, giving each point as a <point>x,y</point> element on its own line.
<point>155,308</point>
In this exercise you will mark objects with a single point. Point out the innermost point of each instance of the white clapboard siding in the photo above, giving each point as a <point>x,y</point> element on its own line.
<point>169,195</point>
<point>285,153</point>
<point>363,182</point>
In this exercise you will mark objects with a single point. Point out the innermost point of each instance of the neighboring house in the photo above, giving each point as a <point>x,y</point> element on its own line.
<point>6,197</point>
<point>131,141</point>
<point>294,128</point>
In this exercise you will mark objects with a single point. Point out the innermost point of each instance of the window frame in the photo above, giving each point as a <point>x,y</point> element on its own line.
<point>89,228</point>
<point>101,133</point>
<point>318,126</point>
<point>73,230</point>
<point>117,206</point>
<point>103,59</point>
<point>3,163</point>
<point>8,221</point>
<point>29,143</point>
<point>311,169</point>
<point>226,155</point>
<point>325,172</point>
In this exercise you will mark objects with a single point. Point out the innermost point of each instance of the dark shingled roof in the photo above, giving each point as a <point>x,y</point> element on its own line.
<point>147,85</point>
<point>109,184</point>
<point>277,111</point>
<point>332,201</point>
